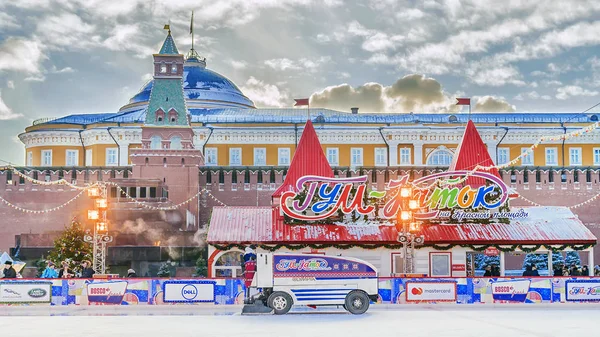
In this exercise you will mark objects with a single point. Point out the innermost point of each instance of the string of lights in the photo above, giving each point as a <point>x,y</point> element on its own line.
<point>31,211</point>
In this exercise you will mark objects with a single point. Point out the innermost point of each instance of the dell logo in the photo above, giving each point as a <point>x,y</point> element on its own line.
<point>189,292</point>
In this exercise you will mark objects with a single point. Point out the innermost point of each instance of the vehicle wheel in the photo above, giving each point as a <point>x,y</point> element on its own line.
<point>357,302</point>
<point>280,302</point>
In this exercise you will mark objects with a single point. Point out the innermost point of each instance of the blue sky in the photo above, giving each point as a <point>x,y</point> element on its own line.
<point>60,57</point>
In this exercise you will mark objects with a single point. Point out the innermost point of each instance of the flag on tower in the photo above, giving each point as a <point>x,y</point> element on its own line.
<point>192,24</point>
<point>463,101</point>
<point>301,101</point>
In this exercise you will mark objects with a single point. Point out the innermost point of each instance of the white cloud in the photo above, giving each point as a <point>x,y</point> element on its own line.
<point>17,54</point>
<point>238,64</point>
<point>62,71</point>
<point>414,92</point>
<point>496,77</point>
<point>147,77</point>
<point>6,113</point>
<point>568,91</point>
<point>10,84</point>
<point>66,30</point>
<point>493,104</point>
<point>285,64</point>
<point>264,94</point>
<point>7,21</point>
<point>127,38</point>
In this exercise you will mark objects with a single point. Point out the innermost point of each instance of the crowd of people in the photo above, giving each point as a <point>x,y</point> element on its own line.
<point>575,270</point>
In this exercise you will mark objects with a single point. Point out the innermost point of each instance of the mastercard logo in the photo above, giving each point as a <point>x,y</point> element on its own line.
<point>417,291</point>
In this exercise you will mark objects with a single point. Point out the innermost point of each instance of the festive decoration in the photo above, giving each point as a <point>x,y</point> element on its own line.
<point>70,246</point>
<point>478,248</point>
<point>32,211</point>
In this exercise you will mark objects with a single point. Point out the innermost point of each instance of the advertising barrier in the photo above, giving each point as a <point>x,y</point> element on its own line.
<point>582,290</point>
<point>400,290</point>
<point>430,292</point>
<point>22,292</point>
<point>188,291</point>
<point>111,292</point>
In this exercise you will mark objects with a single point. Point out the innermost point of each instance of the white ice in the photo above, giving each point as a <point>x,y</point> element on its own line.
<point>223,321</point>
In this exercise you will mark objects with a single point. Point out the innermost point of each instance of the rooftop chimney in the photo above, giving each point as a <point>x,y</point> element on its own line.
<point>354,111</point>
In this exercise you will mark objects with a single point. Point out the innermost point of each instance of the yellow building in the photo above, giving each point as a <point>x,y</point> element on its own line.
<point>232,132</point>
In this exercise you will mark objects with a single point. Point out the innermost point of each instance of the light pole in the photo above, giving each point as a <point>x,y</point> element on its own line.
<point>408,228</point>
<point>100,237</point>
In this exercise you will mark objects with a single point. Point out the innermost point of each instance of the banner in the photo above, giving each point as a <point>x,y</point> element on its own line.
<point>512,291</point>
<point>188,291</point>
<point>25,292</point>
<point>582,290</point>
<point>430,292</point>
<point>106,292</point>
<point>287,265</point>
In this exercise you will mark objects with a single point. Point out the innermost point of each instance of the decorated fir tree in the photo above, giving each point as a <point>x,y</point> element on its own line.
<point>165,270</point>
<point>70,246</point>
<point>557,259</point>
<point>539,260</point>
<point>201,268</point>
<point>572,259</point>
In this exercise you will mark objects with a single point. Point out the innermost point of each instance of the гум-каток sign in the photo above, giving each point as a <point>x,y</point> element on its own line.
<point>336,194</point>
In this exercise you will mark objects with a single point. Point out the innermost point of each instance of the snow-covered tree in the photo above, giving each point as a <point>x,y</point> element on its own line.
<point>572,259</point>
<point>165,270</point>
<point>557,259</point>
<point>540,261</point>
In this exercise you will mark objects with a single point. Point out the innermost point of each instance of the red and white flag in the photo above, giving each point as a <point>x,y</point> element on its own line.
<point>301,101</point>
<point>463,101</point>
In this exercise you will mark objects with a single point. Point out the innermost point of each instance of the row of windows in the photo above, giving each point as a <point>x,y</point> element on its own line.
<point>157,144</point>
<point>284,156</point>
<point>72,157</point>
<point>575,156</point>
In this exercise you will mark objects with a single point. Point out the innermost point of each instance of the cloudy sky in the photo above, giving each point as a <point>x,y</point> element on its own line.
<point>59,57</point>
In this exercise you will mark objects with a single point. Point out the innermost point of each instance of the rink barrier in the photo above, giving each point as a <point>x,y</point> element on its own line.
<point>164,291</point>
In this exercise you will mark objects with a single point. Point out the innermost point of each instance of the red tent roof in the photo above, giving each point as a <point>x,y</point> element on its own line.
<point>308,159</point>
<point>470,153</point>
<point>263,225</point>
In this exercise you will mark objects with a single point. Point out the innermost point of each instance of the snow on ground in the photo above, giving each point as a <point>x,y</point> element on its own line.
<point>399,320</point>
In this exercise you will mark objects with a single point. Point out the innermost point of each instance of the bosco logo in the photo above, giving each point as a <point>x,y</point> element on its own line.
<point>189,292</point>
<point>417,291</point>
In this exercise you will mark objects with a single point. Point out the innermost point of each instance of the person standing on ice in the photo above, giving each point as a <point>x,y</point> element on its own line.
<point>249,268</point>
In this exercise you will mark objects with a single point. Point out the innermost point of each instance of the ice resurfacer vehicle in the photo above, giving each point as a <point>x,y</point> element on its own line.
<point>283,280</point>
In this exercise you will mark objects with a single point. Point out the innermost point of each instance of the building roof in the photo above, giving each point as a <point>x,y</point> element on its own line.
<point>232,115</point>
<point>308,159</point>
<point>262,225</point>
<point>472,152</point>
<point>167,94</point>
<point>202,87</point>
<point>169,47</point>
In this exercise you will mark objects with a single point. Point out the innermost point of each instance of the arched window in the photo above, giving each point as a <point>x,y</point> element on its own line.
<point>163,68</point>
<point>229,265</point>
<point>175,143</point>
<point>155,142</point>
<point>439,158</point>
<point>174,68</point>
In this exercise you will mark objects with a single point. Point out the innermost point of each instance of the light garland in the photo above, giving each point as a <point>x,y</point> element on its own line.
<point>24,210</point>
<point>569,207</point>
<point>47,183</point>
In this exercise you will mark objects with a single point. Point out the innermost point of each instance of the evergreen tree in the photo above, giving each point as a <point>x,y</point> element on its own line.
<point>482,261</point>
<point>557,259</point>
<point>70,245</point>
<point>572,259</point>
<point>201,268</point>
<point>540,261</point>
<point>165,270</point>
<point>41,265</point>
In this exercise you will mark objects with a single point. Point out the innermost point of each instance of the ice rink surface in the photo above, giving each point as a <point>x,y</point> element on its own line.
<point>225,321</point>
